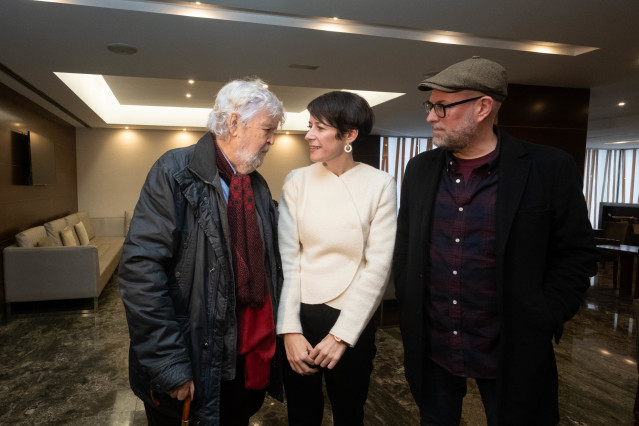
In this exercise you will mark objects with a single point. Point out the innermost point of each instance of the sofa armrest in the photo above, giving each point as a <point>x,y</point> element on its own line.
<point>50,273</point>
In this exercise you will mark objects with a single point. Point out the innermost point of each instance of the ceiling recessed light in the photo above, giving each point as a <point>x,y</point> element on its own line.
<point>335,18</point>
<point>621,103</point>
<point>188,95</point>
<point>122,48</point>
<point>126,127</point>
<point>184,130</point>
<point>191,81</point>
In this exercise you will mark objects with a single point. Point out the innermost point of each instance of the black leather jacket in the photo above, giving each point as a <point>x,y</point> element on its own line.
<point>177,284</point>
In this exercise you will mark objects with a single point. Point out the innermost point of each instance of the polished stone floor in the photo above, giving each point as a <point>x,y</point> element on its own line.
<point>70,368</point>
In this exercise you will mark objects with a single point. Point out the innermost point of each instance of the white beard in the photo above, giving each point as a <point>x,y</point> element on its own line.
<point>250,162</point>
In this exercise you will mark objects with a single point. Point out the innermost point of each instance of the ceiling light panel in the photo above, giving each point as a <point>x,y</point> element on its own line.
<point>332,25</point>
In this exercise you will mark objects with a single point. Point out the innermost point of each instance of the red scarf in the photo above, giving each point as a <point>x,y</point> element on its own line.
<point>256,331</point>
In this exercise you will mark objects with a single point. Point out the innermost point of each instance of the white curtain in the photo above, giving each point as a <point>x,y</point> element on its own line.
<point>395,153</point>
<point>610,176</point>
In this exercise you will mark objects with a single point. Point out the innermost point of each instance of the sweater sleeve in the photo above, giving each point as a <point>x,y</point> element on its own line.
<point>288,317</point>
<point>368,288</point>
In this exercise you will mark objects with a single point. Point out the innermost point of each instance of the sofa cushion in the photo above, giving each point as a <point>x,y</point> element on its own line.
<point>81,232</point>
<point>45,242</point>
<point>68,237</point>
<point>53,230</point>
<point>72,219</point>
<point>31,236</point>
<point>88,224</point>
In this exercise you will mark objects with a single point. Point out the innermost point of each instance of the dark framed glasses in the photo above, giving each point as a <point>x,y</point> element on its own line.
<point>440,109</point>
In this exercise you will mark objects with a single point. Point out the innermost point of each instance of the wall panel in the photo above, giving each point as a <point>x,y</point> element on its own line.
<point>24,206</point>
<point>555,116</point>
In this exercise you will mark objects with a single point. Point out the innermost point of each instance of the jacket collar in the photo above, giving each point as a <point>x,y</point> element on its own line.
<point>514,166</point>
<point>203,161</point>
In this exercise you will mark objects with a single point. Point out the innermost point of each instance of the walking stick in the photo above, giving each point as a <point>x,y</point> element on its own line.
<point>186,409</point>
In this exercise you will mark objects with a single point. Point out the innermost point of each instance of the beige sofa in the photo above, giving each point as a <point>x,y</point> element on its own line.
<point>41,268</point>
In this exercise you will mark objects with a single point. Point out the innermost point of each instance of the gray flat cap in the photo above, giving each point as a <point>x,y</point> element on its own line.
<point>479,74</point>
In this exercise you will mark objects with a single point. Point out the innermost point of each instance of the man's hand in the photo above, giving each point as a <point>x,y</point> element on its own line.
<point>181,392</point>
<point>328,352</point>
<point>297,353</point>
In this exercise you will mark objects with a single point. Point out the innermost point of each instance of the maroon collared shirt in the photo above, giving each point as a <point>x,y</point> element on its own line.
<point>462,316</point>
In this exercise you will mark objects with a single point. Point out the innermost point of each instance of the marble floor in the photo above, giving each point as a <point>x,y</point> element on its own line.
<point>61,367</point>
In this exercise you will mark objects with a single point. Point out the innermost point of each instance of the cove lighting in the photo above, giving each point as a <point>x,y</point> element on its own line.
<point>375,98</point>
<point>620,142</point>
<point>94,91</point>
<point>337,25</point>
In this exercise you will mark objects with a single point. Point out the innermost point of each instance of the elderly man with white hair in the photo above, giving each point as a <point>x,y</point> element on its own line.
<point>200,274</point>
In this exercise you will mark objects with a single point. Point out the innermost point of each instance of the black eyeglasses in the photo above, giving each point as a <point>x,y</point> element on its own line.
<point>440,109</point>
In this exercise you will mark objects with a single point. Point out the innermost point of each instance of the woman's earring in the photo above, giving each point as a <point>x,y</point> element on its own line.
<point>348,147</point>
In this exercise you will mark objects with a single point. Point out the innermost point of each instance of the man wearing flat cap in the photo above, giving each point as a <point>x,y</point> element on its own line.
<point>493,254</point>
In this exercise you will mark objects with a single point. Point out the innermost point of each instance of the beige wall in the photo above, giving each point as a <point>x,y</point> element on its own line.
<point>112,164</point>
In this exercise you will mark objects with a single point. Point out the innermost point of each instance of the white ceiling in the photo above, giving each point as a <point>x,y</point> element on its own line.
<point>379,48</point>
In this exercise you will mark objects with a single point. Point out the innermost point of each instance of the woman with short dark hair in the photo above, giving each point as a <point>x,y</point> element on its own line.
<point>336,235</point>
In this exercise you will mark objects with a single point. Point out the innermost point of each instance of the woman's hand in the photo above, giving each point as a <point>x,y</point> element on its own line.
<point>297,353</point>
<point>328,352</point>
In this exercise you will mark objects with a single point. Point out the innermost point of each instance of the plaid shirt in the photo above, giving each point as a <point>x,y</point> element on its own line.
<point>462,307</point>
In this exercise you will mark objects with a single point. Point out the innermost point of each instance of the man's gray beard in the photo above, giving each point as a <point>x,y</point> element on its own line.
<point>251,161</point>
<point>457,140</point>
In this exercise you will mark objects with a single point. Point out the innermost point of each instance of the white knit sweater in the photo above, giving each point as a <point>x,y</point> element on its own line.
<point>336,237</point>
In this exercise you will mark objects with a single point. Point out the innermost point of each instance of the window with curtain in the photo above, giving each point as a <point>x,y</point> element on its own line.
<point>395,153</point>
<point>610,176</point>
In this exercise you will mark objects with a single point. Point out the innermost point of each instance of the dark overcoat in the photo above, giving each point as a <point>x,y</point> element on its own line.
<point>545,254</point>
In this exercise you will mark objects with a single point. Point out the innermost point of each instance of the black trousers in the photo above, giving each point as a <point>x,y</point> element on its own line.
<point>346,384</point>
<point>444,393</point>
<point>237,404</point>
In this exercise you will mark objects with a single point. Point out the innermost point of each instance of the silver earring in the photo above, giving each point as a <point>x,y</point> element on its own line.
<point>348,147</point>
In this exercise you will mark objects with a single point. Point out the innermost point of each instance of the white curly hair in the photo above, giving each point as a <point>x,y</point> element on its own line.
<point>246,97</point>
